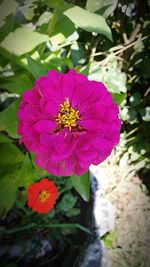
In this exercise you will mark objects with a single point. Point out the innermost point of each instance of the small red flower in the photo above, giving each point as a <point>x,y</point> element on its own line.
<point>42,195</point>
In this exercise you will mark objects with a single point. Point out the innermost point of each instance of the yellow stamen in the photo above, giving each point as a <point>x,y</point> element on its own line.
<point>43,195</point>
<point>67,116</point>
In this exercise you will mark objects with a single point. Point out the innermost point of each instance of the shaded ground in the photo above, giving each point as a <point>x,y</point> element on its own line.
<point>131,245</point>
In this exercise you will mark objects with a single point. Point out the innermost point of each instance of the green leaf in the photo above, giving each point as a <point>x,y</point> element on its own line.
<point>68,201</point>
<point>44,18</point>
<point>82,185</point>
<point>27,173</point>
<point>8,120</point>
<point>39,171</point>
<point>35,68</point>
<point>145,113</point>
<point>27,11</point>
<point>22,176</point>
<point>108,239</point>
<point>11,156</point>
<point>124,114</point>
<point>129,114</point>
<point>88,21</point>
<point>135,99</point>
<point>118,98</point>
<point>53,3</point>
<point>6,8</point>
<point>116,80</point>
<point>8,189</point>
<point>23,40</point>
<point>4,139</point>
<point>73,212</point>
<point>63,29</point>
<point>132,116</point>
<point>78,54</point>
<point>7,27</point>
<point>105,6</point>
<point>17,84</point>
<point>55,62</point>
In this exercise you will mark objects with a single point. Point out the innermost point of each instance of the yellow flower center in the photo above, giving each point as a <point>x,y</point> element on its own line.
<point>67,116</point>
<point>43,195</point>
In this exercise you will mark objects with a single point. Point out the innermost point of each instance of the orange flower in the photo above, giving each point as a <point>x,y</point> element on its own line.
<point>42,195</point>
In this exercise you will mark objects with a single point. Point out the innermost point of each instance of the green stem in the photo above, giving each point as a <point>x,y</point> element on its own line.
<point>18,229</point>
<point>53,21</point>
<point>34,225</point>
<point>62,191</point>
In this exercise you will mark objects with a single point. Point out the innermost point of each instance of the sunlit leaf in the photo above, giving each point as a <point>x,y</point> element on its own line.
<point>23,40</point>
<point>116,80</point>
<point>27,11</point>
<point>7,7</point>
<point>106,7</point>
<point>44,18</point>
<point>55,62</point>
<point>112,77</point>
<point>108,239</point>
<point>63,29</point>
<point>118,98</point>
<point>88,21</point>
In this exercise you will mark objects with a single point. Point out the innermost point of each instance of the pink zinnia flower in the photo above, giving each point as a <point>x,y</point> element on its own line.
<point>69,122</point>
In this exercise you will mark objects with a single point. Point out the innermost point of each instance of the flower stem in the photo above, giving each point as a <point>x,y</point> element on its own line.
<point>52,23</point>
<point>50,29</point>
<point>57,225</point>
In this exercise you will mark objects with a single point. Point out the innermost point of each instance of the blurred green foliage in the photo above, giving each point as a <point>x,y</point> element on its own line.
<point>106,40</point>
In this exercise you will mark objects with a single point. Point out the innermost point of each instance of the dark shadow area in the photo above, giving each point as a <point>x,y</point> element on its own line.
<point>145,178</point>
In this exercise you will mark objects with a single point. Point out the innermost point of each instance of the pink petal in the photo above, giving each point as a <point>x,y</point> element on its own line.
<point>47,138</point>
<point>82,94</point>
<point>95,111</point>
<point>91,124</point>
<point>67,86</point>
<point>45,126</point>
<point>51,109</point>
<point>48,90</point>
<point>31,96</point>
<point>53,77</point>
<point>80,79</point>
<point>60,168</point>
